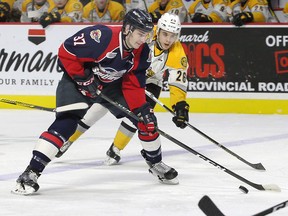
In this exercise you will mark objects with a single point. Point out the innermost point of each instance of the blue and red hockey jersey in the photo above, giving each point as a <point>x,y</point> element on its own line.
<point>100,48</point>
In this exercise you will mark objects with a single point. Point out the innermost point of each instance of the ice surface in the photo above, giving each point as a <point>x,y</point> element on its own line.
<point>80,184</point>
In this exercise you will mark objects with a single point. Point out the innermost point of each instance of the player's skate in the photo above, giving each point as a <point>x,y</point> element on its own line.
<point>113,156</point>
<point>165,173</point>
<point>63,149</point>
<point>26,183</point>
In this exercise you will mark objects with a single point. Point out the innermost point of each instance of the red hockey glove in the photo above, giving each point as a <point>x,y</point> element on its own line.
<point>242,18</point>
<point>88,85</point>
<point>181,110</point>
<point>147,120</point>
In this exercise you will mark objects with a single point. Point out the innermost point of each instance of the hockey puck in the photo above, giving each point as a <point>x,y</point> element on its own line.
<point>243,189</point>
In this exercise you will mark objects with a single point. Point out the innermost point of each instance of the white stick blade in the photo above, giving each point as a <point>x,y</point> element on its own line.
<point>75,106</point>
<point>272,187</point>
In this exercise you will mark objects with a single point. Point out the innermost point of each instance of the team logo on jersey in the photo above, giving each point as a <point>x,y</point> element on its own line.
<point>150,73</point>
<point>107,74</point>
<point>184,62</point>
<point>111,55</point>
<point>77,6</point>
<point>96,35</point>
<point>122,14</point>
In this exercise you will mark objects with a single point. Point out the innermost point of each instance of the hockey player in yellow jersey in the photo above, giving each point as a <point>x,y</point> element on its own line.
<point>103,11</point>
<point>160,7</point>
<point>209,11</point>
<point>65,11</point>
<point>32,10</point>
<point>167,54</point>
<point>248,11</point>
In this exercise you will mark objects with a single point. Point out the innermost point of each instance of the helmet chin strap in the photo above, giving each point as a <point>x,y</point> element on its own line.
<point>124,40</point>
<point>158,44</point>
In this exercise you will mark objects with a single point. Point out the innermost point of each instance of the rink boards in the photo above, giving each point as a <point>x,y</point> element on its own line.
<point>231,70</point>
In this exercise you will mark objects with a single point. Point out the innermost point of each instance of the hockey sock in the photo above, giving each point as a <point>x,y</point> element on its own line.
<point>124,135</point>
<point>152,147</point>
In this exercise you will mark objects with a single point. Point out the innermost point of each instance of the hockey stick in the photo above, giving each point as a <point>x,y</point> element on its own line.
<point>210,209</point>
<point>271,187</point>
<point>273,209</point>
<point>145,5</point>
<point>270,8</point>
<point>258,166</point>
<point>74,106</point>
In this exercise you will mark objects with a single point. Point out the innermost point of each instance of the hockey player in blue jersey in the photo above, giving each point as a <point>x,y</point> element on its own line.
<point>115,60</point>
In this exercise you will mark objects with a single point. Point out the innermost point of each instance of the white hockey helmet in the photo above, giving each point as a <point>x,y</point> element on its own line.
<point>169,22</point>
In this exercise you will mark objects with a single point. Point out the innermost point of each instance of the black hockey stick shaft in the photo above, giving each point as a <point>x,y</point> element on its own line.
<point>273,209</point>
<point>132,115</point>
<point>210,209</point>
<point>258,166</point>
<point>272,11</point>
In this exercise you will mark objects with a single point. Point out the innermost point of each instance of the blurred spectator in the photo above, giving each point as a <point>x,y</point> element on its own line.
<point>8,13</point>
<point>141,4</point>
<point>160,7</point>
<point>209,11</point>
<point>103,11</point>
<point>32,10</point>
<point>248,11</point>
<point>285,12</point>
<point>62,11</point>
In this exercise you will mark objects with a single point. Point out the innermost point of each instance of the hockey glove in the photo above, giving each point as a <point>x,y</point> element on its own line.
<point>48,18</point>
<point>88,85</point>
<point>181,110</point>
<point>242,18</point>
<point>147,120</point>
<point>155,16</point>
<point>199,17</point>
<point>4,11</point>
<point>15,15</point>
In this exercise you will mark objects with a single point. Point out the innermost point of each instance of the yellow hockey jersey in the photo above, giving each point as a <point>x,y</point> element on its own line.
<point>259,9</point>
<point>31,11</point>
<point>113,12</point>
<point>174,61</point>
<point>173,6</point>
<point>216,9</point>
<point>72,11</point>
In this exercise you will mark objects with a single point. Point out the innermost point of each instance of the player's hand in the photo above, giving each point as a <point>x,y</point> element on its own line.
<point>4,11</point>
<point>181,110</point>
<point>199,17</point>
<point>242,18</point>
<point>147,120</point>
<point>48,18</point>
<point>88,86</point>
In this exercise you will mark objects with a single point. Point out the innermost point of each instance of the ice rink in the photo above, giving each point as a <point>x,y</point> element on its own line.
<point>80,184</point>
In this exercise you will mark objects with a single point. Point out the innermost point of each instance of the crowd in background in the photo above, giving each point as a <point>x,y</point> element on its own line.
<point>46,12</point>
